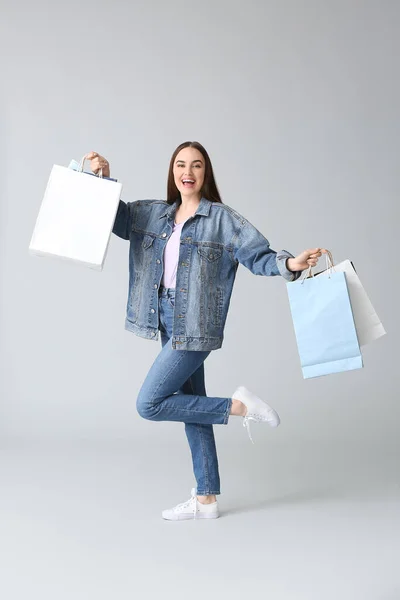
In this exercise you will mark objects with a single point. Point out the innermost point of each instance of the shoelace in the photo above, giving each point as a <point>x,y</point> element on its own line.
<point>251,417</point>
<point>192,500</point>
<point>246,423</point>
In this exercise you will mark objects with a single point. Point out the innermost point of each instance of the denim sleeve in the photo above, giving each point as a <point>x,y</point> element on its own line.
<point>123,220</point>
<point>253,251</point>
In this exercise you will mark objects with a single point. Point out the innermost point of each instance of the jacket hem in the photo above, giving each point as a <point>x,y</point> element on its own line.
<point>144,332</point>
<point>179,342</point>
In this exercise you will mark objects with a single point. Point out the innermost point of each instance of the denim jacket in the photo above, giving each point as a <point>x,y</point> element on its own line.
<point>213,243</point>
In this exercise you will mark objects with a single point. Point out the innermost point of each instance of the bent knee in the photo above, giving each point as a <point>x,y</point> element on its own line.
<point>145,408</point>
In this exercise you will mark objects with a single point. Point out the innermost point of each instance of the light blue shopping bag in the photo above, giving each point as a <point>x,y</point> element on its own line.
<point>324,325</point>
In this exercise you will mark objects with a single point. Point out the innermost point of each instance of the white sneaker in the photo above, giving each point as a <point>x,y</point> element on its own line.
<point>257,409</point>
<point>191,509</point>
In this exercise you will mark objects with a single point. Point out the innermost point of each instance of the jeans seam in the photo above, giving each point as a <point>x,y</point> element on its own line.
<point>153,401</point>
<point>205,460</point>
<point>192,410</point>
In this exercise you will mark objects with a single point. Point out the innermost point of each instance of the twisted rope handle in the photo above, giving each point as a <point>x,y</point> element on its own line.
<point>329,267</point>
<point>81,164</point>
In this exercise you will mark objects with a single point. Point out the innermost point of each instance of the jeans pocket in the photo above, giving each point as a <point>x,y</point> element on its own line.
<point>171,301</point>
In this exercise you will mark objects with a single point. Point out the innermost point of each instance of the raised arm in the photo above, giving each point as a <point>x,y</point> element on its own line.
<point>253,250</point>
<point>123,220</point>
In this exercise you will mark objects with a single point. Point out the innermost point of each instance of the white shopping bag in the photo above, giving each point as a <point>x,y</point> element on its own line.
<point>76,217</point>
<point>368,325</point>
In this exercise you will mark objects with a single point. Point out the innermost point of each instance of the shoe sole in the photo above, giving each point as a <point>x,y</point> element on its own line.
<point>183,517</point>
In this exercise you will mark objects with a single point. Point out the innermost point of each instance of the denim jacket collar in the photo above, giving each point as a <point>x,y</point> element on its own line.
<point>202,209</point>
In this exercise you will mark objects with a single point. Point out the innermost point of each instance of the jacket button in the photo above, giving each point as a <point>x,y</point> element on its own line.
<point>158,261</point>
<point>155,286</point>
<point>152,310</point>
<point>164,235</point>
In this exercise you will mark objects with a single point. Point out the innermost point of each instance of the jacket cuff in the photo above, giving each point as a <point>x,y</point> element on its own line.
<point>281,259</point>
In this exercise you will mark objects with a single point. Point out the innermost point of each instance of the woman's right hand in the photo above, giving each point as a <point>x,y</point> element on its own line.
<point>98,162</point>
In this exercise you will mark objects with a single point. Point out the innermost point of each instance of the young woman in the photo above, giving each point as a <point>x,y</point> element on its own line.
<point>183,257</point>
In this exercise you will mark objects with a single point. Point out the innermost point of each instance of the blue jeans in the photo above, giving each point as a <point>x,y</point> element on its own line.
<point>174,390</point>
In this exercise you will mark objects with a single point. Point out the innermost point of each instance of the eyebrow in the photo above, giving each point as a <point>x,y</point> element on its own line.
<point>193,161</point>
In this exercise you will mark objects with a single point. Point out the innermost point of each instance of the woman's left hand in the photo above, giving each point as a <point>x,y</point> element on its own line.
<point>305,259</point>
<point>98,162</point>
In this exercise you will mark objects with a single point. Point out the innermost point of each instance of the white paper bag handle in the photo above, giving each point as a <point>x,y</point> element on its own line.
<point>81,164</point>
<point>329,267</point>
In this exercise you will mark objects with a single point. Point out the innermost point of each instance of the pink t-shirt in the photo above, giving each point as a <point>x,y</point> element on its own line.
<point>171,256</point>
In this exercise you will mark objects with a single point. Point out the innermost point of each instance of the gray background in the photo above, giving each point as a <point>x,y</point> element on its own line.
<point>297,105</point>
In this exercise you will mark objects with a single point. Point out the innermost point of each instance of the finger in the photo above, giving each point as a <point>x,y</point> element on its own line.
<point>91,155</point>
<point>311,251</point>
<point>99,163</point>
<point>96,165</point>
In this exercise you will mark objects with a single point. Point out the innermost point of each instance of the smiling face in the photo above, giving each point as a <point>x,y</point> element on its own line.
<point>189,165</point>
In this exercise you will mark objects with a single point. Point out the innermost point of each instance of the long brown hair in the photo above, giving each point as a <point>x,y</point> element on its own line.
<point>209,189</point>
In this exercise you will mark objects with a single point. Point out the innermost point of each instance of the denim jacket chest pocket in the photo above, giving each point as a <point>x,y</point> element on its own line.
<point>147,241</point>
<point>210,258</point>
<point>145,254</point>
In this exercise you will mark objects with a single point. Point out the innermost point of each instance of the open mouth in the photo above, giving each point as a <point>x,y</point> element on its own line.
<point>188,182</point>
